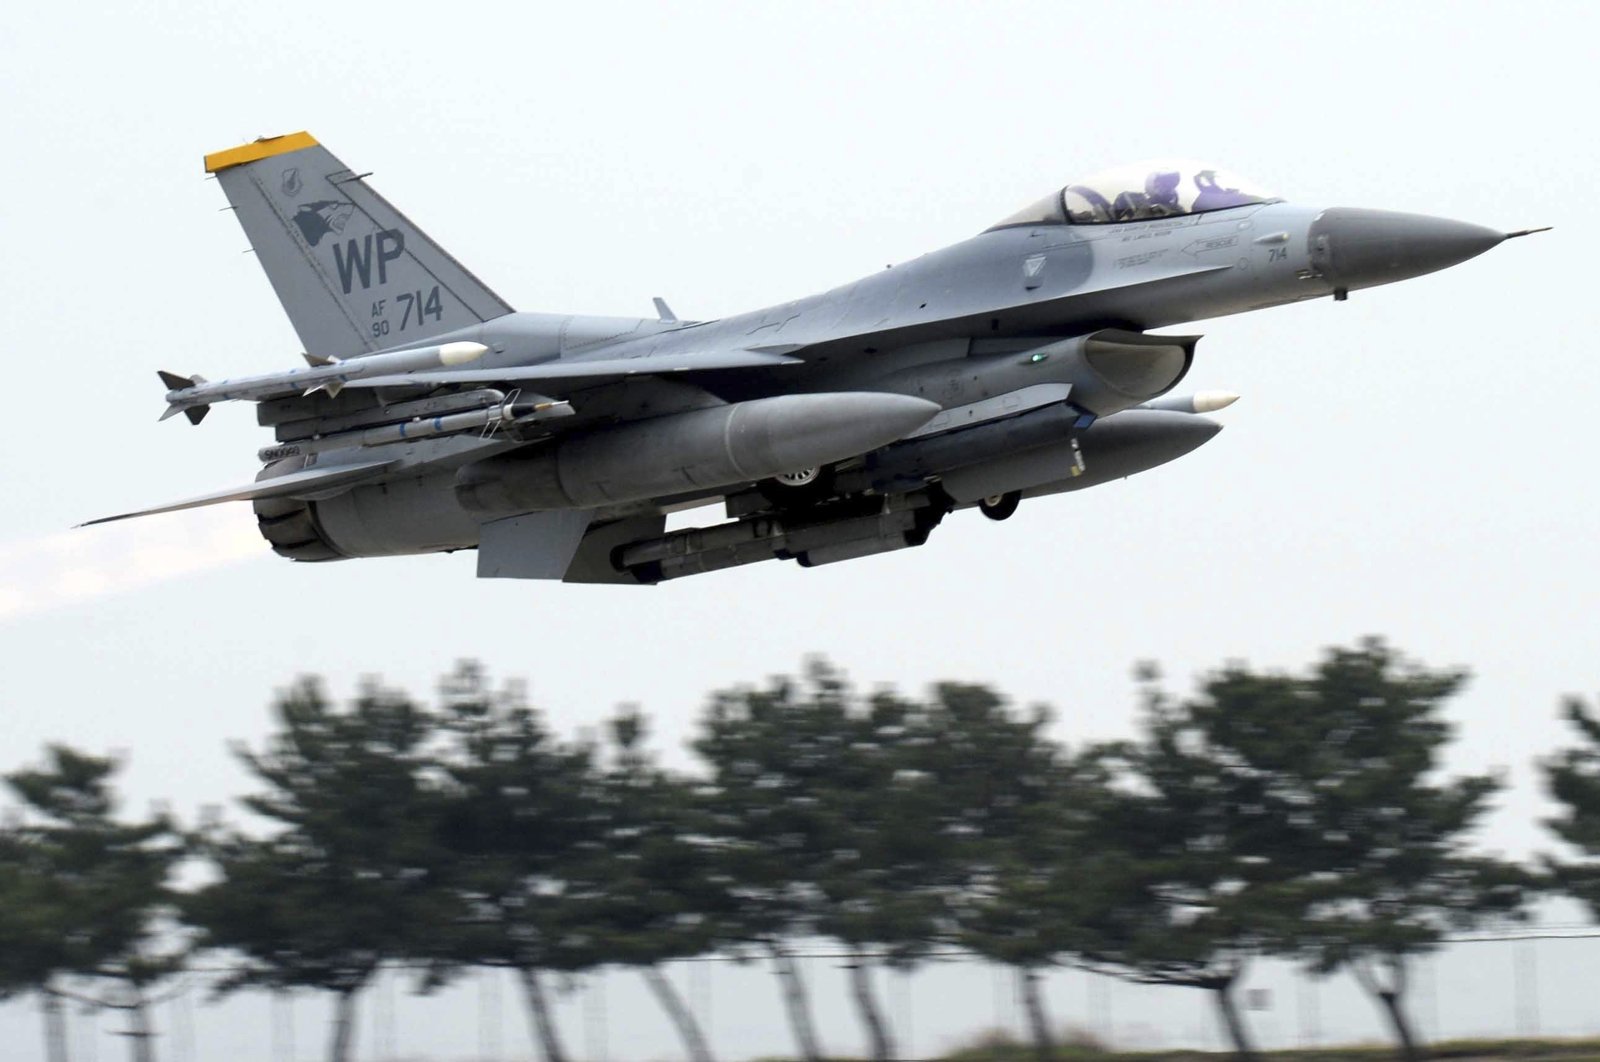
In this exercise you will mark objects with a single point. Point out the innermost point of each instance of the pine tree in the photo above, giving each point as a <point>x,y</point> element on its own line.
<point>37,947</point>
<point>347,882</point>
<point>1031,854</point>
<point>1390,870</point>
<point>519,814</point>
<point>822,832</point>
<point>883,881</point>
<point>92,894</point>
<point>1573,779</point>
<point>1188,881</point>
<point>648,887</point>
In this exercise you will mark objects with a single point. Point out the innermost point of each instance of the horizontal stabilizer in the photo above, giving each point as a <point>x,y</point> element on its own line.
<point>665,365</point>
<point>306,482</point>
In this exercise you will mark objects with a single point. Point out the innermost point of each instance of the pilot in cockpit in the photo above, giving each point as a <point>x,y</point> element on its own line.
<point>1139,192</point>
<point>1214,197</point>
<point>1158,200</point>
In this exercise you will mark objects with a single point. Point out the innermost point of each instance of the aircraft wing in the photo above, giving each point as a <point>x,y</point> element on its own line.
<point>575,371</point>
<point>307,482</point>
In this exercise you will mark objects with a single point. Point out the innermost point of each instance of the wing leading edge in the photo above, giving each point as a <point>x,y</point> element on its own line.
<point>584,371</point>
<point>306,482</point>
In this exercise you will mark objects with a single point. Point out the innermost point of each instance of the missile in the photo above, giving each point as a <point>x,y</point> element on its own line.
<point>510,413</point>
<point>193,395</point>
<point>1199,402</point>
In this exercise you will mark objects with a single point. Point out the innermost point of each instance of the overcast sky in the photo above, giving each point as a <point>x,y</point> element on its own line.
<point>1416,462</point>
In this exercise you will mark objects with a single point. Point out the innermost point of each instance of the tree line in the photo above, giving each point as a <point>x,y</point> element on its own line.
<point>1302,816</point>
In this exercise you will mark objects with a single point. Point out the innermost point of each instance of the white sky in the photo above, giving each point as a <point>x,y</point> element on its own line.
<point>1415,462</point>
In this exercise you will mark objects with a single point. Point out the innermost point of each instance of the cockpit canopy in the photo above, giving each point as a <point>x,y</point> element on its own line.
<point>1139,191</point>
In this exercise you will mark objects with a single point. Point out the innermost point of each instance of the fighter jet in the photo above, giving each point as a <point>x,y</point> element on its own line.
<point>1017,364</point>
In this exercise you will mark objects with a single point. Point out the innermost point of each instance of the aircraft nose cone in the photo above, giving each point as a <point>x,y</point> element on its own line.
<point>1356,248</point>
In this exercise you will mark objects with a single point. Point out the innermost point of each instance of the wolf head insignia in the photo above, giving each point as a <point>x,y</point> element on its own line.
<point>316,220</point>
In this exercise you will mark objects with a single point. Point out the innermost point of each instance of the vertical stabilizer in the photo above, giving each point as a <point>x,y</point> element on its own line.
<point>353,273</point>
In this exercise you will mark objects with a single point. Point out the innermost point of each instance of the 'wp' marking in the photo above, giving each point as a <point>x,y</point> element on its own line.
<point>354,259</point>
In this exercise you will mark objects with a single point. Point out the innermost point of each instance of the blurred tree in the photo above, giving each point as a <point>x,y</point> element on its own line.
<point>825,827</point>
<point>1000,784</point>
<point>1384,839</point>
<point>1190,873</point>
<point>649,890</point>
<point>834,821</point>
<point>769,753</point>
<point>520,816</point>
<point>885,876</point>
<point>1023,817</point>
<point>1573,778</point>
<point>349,881</point>
<point>36,949</point>
<point>94,896</point>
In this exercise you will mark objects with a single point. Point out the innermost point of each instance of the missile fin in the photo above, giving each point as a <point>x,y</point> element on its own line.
<point>317,361</point>
<point>174,382</point>
<point>195,413</point>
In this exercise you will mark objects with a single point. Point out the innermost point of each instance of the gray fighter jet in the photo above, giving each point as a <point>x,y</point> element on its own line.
<point>1016,364</point>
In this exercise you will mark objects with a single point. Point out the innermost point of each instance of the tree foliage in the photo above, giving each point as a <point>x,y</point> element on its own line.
<point>89,893</point>
<point>517,811</point>
<point>1020,816</point>
<point>345,882</point>
<point>820,829</point>
<point>649,885</point>
<point>1192,860</point>
<point>1572,776</point>
<point>1301,815</point>
<point>1393,873</point>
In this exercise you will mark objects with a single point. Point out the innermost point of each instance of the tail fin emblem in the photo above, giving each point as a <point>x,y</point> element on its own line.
<point>316,220</point>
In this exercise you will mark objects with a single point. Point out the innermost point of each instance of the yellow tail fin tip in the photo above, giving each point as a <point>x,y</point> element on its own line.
<point>264,148</point>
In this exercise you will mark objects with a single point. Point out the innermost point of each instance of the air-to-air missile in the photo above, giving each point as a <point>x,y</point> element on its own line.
<point>193,395</point>
<point>495,413</point>
<point>1023,362</point>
